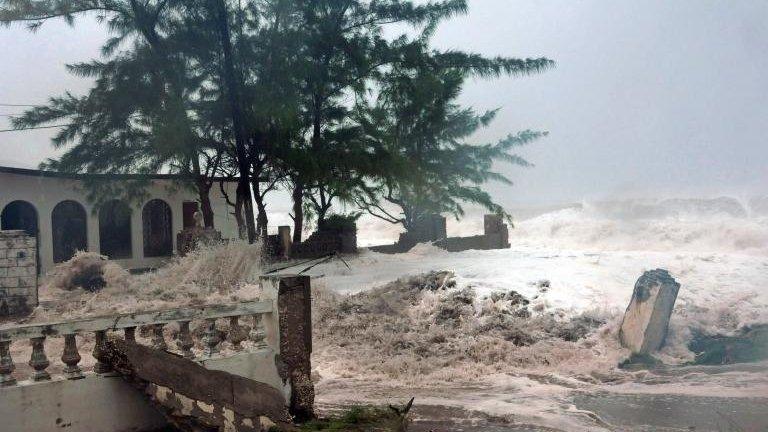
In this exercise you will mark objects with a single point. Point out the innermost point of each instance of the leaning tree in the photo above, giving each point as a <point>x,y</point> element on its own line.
<point>430,165</point>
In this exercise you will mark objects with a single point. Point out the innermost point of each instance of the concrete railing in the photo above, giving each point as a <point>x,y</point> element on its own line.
<point>156,321</point>
<point>276,351</point>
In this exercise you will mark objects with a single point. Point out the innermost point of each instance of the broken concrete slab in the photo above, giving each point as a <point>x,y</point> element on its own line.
<point>646,320</point>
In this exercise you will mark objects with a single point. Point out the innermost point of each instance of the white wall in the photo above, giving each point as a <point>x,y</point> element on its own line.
<point>108,403</point>
<point>45,192</point>
<point>92,404</point>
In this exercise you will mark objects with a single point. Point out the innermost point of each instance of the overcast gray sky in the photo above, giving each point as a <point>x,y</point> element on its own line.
<point>648,97</point>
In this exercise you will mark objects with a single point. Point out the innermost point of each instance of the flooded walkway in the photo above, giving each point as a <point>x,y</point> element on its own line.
<point>648,412</point>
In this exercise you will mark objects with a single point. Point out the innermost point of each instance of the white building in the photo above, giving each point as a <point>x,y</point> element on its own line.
<point>54,208</point>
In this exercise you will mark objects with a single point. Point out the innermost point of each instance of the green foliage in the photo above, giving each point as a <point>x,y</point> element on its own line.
<point>430,167</point>
<point>359,419</point>
<point>340,223</point>
<point>306,94</point>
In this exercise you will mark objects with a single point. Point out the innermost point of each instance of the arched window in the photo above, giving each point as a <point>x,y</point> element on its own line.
<point>115,229</point>
<point>19,215</point>
<point>70,232</point>
<point>158,229</point>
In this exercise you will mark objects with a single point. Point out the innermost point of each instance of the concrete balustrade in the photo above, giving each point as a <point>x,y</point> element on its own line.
<point>156,321</point>
<point>275,351</point>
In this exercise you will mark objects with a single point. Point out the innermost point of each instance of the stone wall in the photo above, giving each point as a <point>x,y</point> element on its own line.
<point>18,273</point>
<point>322,243</point>
<point>495,236</point>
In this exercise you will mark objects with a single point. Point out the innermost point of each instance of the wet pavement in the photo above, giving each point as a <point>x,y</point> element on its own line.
<point>648,412</point>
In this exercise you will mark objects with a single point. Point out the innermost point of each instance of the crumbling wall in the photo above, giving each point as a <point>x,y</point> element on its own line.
<point>495,236</point>
<point>321,243</point>
<point>18,273</point>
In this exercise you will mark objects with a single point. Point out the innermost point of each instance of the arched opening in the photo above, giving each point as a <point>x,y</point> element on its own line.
<point>158,229</point>
<point>70,230</point>
<point>19,215</point>
<point>115,230</point>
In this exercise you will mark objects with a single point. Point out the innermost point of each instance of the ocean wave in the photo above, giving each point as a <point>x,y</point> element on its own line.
<point>698,225</point>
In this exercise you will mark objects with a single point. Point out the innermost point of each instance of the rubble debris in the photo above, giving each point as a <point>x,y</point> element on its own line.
<point>89,271</point>
<point>748,344</point>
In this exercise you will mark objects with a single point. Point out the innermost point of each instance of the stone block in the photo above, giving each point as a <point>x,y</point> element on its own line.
<point>14,305</point>
<point>9,282</point>
<point>646,320</point>
<point>20,291</point>
<point>26,271</point>
<point>28,281</point>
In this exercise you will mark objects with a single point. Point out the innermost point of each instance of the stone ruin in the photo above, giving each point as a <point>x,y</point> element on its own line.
<point>326,240</point>
<point>188,238</point>
<point>432,229</point>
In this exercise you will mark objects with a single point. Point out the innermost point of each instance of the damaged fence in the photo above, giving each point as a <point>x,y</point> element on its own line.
<point>266,341</point>
<point>69,330</point>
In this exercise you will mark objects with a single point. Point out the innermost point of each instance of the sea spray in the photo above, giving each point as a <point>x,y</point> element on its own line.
<point>424,329</point>
<point>214,274</point>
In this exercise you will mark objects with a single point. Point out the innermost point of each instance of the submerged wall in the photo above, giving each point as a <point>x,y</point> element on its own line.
<point>495,236</point>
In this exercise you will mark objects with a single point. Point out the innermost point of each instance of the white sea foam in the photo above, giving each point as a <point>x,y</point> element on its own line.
<point>697,226</point>
<point>591,254</point>
<point>222,273</point>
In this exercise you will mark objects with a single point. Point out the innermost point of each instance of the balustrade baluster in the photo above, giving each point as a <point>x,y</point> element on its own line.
<point>236,334</point>
<point>130,334</point>
<point>210,337</point>
<point>71,358</point>
<point>158,339</point>
<point>185,342</point>
<point>38,361</point>
<point>257,334</point>
<point>6,365</point>
<point>101,366</point>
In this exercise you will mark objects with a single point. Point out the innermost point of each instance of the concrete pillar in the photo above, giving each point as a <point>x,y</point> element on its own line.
<point>93,228</point>
<point>284,233</point>
<point>291,331</point>
<point>137,235</point>
<point>45,235</point>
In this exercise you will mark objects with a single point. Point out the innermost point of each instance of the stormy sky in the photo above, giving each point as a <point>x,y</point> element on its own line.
<point>648,97</point>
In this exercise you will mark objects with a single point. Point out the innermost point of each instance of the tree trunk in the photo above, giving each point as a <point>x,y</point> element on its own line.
<point>242,231</point>
<point>262,220</point>
<point>298,211</point>
<point>238,124</point>
<point>203,193</point>
<point>203,190</point>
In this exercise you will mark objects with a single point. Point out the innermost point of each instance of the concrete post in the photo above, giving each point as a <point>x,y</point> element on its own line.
<point>284,233</point>
<point>294,338</point>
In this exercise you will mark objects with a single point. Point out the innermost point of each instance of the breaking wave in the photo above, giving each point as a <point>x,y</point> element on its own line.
<point>691,225</point>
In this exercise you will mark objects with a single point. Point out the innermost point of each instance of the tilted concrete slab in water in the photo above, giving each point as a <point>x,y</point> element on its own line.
<point>646,321</point>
